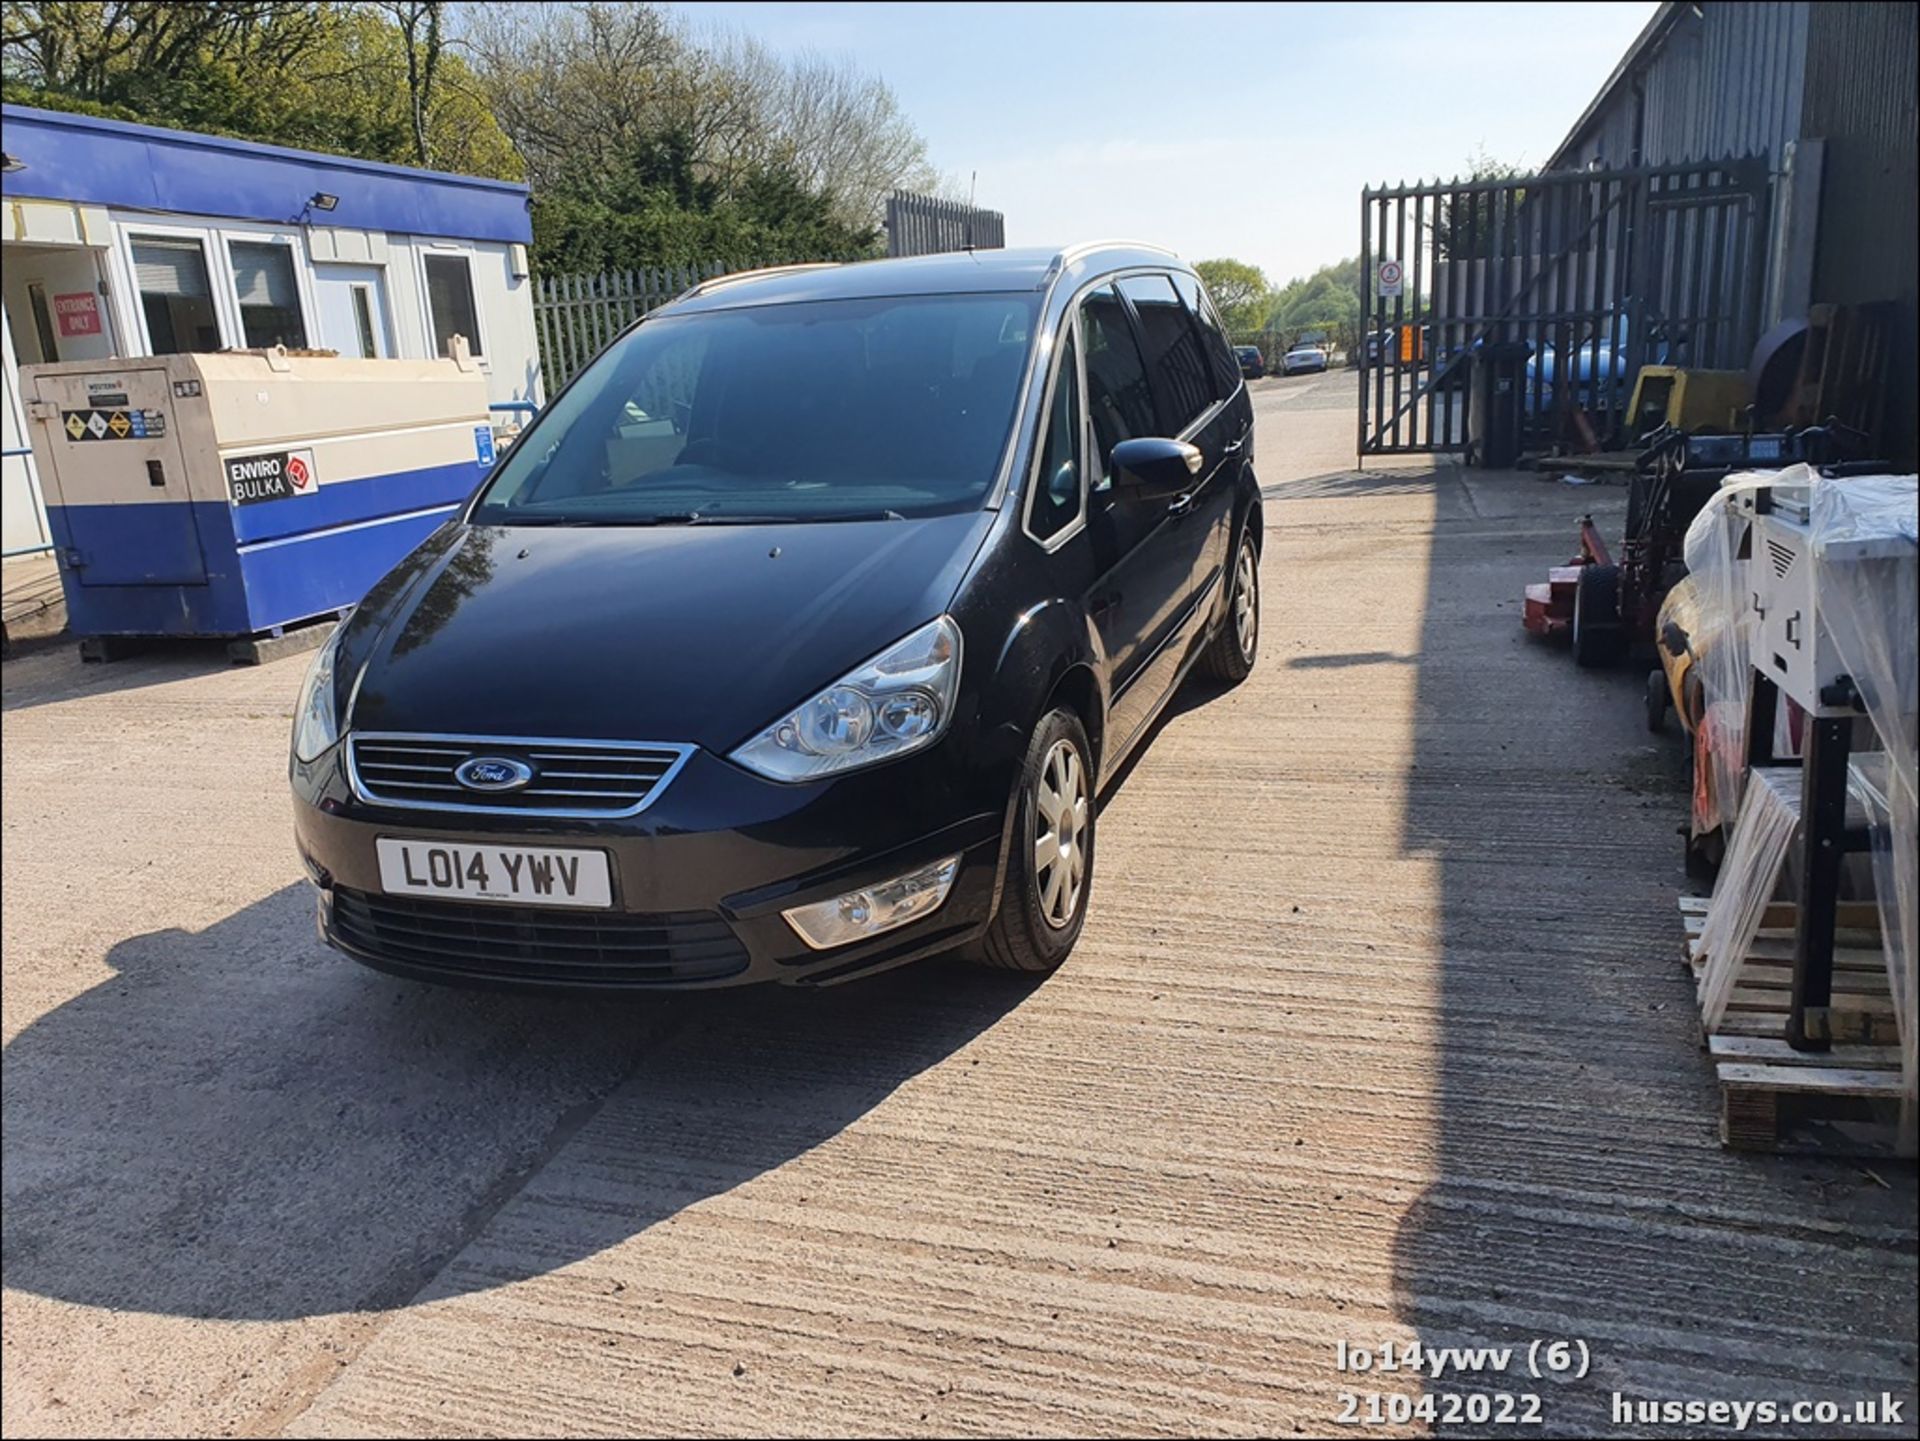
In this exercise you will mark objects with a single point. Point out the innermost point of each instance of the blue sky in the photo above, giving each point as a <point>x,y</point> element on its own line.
<point>1217,129</point>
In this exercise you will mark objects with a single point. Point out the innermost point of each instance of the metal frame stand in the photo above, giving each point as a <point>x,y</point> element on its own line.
<point>1824,842</point>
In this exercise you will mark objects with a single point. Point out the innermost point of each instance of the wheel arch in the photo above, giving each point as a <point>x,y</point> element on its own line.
<point>1051,655</point>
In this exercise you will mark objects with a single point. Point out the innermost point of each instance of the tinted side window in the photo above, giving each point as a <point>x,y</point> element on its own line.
<point>1173,349</point>
<point>1118,395</point>
<point>1056,480</point>
<point>1220,357</point>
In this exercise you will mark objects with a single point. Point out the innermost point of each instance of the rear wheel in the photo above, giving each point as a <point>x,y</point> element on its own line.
<point>1231,656</point>
<point>1598,638</point>
<point>1657,696</point>
<point>1049,867</point>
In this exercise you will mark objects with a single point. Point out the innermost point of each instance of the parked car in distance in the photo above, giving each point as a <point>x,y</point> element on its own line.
<point>1253,365</point>
<point>1303,359</point>
<point>795,638</point>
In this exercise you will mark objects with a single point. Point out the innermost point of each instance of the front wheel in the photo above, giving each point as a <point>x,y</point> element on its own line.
<point>1231,656</point>
<point>1049,867</point>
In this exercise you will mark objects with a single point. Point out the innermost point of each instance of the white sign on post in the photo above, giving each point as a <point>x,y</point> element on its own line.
<point>1386,279</point>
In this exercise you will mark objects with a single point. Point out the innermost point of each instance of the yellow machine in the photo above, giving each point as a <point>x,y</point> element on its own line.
<point>1688,400</point>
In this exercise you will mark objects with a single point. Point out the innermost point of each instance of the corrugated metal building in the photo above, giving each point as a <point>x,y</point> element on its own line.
<point>1707,80</point>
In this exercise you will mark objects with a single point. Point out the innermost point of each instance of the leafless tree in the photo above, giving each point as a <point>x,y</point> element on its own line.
<point>580,86</point>
<point>419,24</point>
<point>838,127</point>
<point>574,86</point>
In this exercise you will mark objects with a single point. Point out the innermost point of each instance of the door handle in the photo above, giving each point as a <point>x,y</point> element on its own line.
<point>156,473</point>
<point>1232,447</point>
<point>1181,504</point>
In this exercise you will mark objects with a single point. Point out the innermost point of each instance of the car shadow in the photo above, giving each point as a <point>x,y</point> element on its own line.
<point>1341,660</point>
<point>239,1124</point>
<point>1344,484</point>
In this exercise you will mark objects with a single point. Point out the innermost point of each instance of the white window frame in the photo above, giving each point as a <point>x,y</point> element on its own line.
<point>446,250</point>
<point>1069,330</point>
<point>302,276</point>
<point>359,293</point>
<point>213,257</point>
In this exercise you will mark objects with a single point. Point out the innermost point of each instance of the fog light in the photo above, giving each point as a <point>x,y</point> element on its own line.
<point>874,909</point>
<point>316,872</point>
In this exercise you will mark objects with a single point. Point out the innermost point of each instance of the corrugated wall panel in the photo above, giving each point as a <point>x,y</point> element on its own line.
<point>1725,82</point>
<point>1861,82</point>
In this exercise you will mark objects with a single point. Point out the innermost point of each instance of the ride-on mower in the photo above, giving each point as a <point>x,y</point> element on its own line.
<point>1605,607</point>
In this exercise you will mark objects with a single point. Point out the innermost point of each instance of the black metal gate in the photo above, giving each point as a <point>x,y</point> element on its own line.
<point>1596,272</point>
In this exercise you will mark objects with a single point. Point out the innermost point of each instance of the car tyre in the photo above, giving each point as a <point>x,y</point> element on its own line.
<point>1048,868</point>
<point>1233,651</point>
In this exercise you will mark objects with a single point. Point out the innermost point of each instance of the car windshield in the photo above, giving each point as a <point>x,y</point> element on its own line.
<point>825,410</point>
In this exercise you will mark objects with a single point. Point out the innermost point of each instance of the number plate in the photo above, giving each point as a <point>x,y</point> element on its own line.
<point>472,871</point>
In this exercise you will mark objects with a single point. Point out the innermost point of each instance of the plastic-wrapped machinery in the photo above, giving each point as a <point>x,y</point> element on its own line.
<point>1873,614</point>
<point>1722,619</point>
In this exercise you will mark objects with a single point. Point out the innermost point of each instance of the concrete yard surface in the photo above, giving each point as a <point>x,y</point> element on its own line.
<point>1377,1033</point>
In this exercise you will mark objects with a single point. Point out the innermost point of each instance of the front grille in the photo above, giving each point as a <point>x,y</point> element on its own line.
<point>535,943</point>
<point>570,778</point>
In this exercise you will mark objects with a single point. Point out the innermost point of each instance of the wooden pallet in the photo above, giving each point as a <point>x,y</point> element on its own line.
<point>1862,1008</point>
<point>1774,1098</point>
<point>1845,1100</point>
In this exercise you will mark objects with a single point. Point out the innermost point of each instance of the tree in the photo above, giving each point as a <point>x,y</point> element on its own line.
<point>110,52</point>
<point>583,87</point>
<point>1465,227</point>
<point>838,128</point>
<point>418,22</point>
<point>321,76</point>
<point>1328,300</point>
<point>578,88</point>
<point>1239,290</point>
<point>644,144</point>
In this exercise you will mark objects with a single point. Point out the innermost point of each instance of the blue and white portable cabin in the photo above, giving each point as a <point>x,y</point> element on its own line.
<point>122,242</point>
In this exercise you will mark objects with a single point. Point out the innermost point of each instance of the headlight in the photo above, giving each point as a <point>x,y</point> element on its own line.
<point>897,702</point>
<point>315,726</point>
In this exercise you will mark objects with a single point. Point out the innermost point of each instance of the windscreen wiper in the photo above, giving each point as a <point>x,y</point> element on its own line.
<point>695,517</point>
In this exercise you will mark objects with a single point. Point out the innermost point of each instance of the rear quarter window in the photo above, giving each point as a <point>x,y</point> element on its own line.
<point>1220,359</point>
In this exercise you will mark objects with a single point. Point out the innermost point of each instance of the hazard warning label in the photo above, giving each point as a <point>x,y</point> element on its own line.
<point>113,424</point>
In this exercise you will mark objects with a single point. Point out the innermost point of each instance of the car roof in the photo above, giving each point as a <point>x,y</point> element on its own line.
<point>953,273</point>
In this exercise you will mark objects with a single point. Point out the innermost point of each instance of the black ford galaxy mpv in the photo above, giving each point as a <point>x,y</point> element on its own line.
<point>795,638</point>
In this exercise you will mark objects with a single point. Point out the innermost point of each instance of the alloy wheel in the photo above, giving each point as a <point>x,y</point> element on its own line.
<point>1246,602</point>
<point>1060,811</point>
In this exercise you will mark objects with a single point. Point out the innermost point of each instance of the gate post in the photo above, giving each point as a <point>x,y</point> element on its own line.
<point>1366,329</point>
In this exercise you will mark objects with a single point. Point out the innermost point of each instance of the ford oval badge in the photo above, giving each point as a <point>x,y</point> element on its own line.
<point>492,773</point>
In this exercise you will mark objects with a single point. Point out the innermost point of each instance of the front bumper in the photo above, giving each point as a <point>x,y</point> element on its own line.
<point>700,878</point>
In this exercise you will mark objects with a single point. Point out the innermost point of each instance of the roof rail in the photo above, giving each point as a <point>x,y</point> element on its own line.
<point>715,282</point>
<point>1074,252</point>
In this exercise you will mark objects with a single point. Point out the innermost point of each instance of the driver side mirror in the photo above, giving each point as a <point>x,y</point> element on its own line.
<point>1154,468</point>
